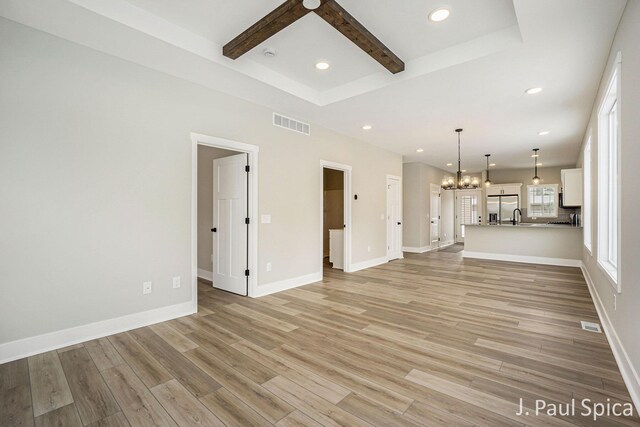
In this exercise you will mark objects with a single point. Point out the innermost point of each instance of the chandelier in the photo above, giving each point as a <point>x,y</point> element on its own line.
<point>461,182</point>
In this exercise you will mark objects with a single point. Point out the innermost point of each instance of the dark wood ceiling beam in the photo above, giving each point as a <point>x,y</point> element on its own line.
<point>276,21</point>
<point>342,21</point>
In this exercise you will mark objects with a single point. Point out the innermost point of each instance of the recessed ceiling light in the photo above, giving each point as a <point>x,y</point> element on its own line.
<point>449,164</point>
<point>535,155</point>
<point>543,133</point>
<point>463,170</point>
<point>439,15</point>
<point>538,164</point>
<point>533,90</point>
<point>367,127</point>
<point>323,65</point>
<point>492,164</point>
<point>311,4</point>
<point>419,150</point>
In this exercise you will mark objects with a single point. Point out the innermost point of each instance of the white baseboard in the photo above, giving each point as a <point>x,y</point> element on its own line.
<point>425,249</point>
<point>283,285</point>
<point>54,340</point>
<point>627,370</point>
<point>204,274</point>
<point>523,258</point>
<point>368,264</point>
<point>416,250</point>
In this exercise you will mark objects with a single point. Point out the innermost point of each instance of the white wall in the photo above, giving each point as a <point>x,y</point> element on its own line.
<point>95,183</point>
<point>206,155</point>
<point>625,319</point>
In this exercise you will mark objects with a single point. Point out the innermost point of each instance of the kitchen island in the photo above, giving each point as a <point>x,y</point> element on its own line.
<point>529,243</point>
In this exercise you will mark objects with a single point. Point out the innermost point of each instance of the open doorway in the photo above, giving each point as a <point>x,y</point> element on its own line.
<point>394,218</point>
<point>222,213</point>
<point>435,216</point>
<point>468,211</point>
<point>335,216</point>
<point>224,238</point>
<point>333,223</point>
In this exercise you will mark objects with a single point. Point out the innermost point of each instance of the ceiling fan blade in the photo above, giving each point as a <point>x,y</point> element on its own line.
<point>342,21</point>
<point>279,19</point>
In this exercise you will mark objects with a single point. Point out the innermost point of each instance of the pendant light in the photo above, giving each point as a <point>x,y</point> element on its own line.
<point>487,182</point>
<point>460,182</point>
<point>536,178</point>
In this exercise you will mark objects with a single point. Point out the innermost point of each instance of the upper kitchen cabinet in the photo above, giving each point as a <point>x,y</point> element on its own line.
<point>504,189</point>
<point>571,187</point>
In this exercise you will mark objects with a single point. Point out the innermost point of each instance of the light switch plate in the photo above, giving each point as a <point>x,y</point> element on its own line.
<point>176,282</point>
<point>269,266</point>
<point>265,218</point>
<point>147,288</point>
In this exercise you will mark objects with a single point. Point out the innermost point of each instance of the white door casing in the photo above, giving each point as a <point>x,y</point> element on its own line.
<point>434,229</point>
<point>394,218</point>
<point>230,228</point>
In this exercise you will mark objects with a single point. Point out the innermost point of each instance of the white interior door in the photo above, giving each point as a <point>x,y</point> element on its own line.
<point>468,210</point>
<point>435,216</point>
<point>230,228</point>
<point>394,219</point>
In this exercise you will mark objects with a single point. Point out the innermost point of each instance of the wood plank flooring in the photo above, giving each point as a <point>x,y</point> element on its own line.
<point>432,339</point>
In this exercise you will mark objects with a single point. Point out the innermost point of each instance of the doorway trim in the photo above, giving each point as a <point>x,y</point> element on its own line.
<point>386,184</point>
<point>252,151</point>
<point>347,169</point>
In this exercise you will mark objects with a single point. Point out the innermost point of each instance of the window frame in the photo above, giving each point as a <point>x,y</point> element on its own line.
<point>556,200</point>
<point>609,180</point>
<point>587,210</point>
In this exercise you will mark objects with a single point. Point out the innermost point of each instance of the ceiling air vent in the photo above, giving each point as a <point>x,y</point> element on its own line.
<point>591,327</point>
<point>291,124</point>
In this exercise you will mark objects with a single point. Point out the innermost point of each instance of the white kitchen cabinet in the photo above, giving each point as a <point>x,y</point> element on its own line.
<point>572,183</point>
<point>511,189</point>
<point>503,189</point>
<point>336,248</point>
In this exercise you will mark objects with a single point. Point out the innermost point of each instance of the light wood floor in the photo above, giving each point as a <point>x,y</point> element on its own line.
<point>428,340</point>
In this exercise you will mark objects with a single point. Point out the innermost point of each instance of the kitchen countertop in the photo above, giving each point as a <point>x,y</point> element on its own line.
<point>525,225</point>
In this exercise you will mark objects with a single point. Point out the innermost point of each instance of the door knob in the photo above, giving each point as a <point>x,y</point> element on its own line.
<point>399,223</point>
<point>214,230</point>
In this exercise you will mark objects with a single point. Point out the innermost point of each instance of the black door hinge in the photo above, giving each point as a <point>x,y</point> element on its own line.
<point>246,273</point>
<point>247,221</point>
<point>247,168</point>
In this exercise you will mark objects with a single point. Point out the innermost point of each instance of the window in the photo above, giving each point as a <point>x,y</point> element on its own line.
<point>542,201</point>
<point>468,211</point>
<point>609,178</point>
<point>586,203</point>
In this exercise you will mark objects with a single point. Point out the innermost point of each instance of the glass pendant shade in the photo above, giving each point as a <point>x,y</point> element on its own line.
<point>536,178</point>
<point>487,182</point>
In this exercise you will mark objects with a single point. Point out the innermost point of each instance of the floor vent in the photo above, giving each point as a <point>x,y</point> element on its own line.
<point>591,327</point>
<point>291,124</point>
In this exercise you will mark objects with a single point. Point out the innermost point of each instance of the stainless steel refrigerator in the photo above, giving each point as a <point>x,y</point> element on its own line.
<point>500,208</point>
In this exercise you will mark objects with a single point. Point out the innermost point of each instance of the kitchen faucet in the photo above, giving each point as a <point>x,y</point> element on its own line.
<point>514,221</point>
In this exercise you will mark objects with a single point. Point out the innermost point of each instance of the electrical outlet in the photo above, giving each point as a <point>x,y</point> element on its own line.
<point>176,282</point>
<point>147,287</point>
<point>382,217</point>
<point>368,248</point>
<point>615,302</point>
<point>268,266</point>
